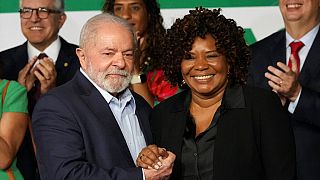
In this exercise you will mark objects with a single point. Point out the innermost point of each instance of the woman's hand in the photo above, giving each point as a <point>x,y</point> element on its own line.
<point>151,157</point>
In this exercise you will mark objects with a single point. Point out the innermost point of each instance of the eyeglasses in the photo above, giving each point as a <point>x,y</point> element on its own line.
<point>42,12</point>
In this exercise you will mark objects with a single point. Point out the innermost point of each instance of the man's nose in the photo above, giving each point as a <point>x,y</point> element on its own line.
<point>34,16</point>
<point>119,60</point>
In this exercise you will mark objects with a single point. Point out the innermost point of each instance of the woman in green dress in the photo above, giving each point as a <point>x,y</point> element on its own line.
<point>13,125</point>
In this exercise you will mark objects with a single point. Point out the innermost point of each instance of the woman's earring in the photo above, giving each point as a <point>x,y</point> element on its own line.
<point>183,84</point>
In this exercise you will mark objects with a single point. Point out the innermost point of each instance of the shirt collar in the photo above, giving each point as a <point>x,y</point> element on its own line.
<point>52,50</point>
<point>125,97</point>
<point>307,39</point>
<point>233,98</point>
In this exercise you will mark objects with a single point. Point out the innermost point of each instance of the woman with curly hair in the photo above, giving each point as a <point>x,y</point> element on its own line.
<point>146,19</point>
<point>219,128</point>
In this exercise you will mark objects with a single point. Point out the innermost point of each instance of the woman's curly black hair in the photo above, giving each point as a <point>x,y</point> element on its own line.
<point>228,36</point>
<point>155,32</point>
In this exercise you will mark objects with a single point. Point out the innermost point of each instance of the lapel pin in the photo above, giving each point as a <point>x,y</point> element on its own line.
<point>65,64</point>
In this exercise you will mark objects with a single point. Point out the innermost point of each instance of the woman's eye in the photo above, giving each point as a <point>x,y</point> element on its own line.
<point>135,8</point>
<point>210,56</point>
<point>117,9</point>
<point>188,56</point>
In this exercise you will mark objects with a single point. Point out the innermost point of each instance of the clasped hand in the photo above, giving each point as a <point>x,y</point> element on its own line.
<point>157,163</point>
<point>44,71</point>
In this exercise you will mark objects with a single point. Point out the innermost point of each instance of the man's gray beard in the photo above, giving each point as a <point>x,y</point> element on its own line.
<point>112,85</point>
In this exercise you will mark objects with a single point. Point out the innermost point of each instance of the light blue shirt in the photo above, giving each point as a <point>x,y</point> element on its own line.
<point>307,40</point>
<point>123,109</point>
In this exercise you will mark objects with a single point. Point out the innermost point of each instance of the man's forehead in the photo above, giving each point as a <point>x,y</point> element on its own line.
<point>112,42</point>
<point>32,3</point>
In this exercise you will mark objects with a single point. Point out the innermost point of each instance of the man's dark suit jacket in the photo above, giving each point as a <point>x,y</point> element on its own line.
<point>254,140</point>
<point>13,60</point>
<point>306,117</point>
<point>77,136</point>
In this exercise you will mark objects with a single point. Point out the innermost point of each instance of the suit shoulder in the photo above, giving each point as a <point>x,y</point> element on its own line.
<point>66,43</point>
<point>258,95</point>
<point>140,101</point>
<point>271,39</point>
<point>10,51</point>
<point>172,102</point>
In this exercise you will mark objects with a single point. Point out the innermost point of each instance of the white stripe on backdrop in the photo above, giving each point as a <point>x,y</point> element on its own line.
<point>262,20</point>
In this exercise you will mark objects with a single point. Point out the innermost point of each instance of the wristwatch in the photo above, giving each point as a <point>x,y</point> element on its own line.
<point>136,79</point>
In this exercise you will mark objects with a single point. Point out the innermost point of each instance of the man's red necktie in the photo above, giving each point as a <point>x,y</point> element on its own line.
<point>37,84</point>
<point>295,48</point>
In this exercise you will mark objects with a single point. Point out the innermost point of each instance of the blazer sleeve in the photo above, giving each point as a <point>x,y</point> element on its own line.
<point>308,107</point>
<point>275,138</point>
<point>60,147</point>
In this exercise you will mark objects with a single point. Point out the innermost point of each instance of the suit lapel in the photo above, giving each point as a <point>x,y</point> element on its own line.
<point>173,134</point>
<point>92,97</point>
<point>142,113</point>
<point>312,62</point>
<point>65,61</point>
<point>278,49</point>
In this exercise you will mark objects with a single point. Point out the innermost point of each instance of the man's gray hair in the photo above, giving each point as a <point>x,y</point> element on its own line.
<point>58,5</point>
<point>90,28</point>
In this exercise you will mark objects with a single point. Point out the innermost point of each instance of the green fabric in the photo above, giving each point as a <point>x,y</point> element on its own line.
<point>96,5</point>
<point>14,101</point>
<point>16,98</point>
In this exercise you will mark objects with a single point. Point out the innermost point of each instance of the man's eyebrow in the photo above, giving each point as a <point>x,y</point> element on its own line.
<point>109,49</point>
<point>127,50</point>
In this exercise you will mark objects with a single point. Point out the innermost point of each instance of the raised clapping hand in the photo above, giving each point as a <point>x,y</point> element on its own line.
<point>284,81</point>
<point>44,71</point>
<point>157,162</point>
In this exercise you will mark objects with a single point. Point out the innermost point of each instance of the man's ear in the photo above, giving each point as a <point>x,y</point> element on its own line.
<point>81,55</point>
<point>62,19</point>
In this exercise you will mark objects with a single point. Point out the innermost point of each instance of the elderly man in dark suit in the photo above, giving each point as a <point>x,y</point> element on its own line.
<point>95,126</point>
<point>40,23</point>
<point>288,63</point>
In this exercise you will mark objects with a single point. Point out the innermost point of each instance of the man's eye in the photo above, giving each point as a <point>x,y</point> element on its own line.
<point>26,10</point>
<point>108,53</point>
<point>128,56</point>
<point>43,10</point>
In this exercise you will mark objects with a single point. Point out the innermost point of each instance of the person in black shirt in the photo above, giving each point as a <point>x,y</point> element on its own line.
<point>218,127</point>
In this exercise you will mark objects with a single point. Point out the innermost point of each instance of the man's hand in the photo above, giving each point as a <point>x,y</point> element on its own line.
<point>25,78</point>
<point>284,80</point>
<point>164,172</point>
<point>151,156</point>
<point>46,73</point>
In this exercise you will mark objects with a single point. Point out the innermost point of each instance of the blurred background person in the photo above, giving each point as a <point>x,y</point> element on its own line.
<point>219,128</point>
<point>288,63</point>
<point>41,21</point>
<point>13,125</point>
<point>148,79</point>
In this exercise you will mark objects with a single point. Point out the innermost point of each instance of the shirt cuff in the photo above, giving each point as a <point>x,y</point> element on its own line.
<point>293,105</point>
<point>144,177</point>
